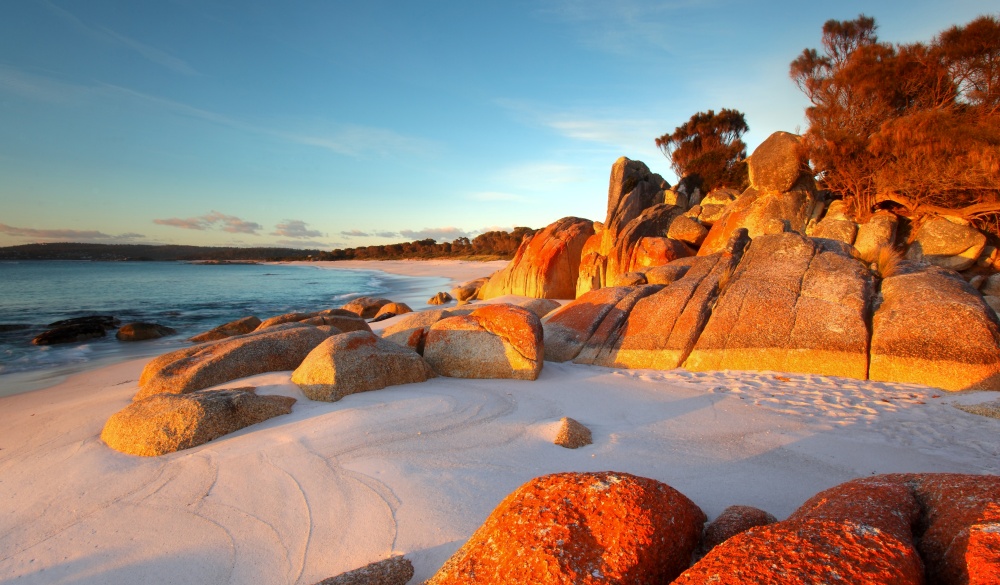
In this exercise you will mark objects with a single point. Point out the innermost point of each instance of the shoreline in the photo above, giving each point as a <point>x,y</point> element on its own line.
<point>415,290</point>
<point>457,271</point>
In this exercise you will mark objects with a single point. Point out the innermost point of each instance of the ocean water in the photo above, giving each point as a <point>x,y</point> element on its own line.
<point>190,298</point>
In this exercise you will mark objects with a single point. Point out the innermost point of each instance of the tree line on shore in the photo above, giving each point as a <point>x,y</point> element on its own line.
<point>493,245</point>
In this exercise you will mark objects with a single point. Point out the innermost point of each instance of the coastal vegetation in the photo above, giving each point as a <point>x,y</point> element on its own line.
<point>912,127</point>
<point>708,150</point>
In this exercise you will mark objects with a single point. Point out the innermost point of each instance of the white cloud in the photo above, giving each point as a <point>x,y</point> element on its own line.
<point>68,234</point>
<point>442,234</point>
<point>227,223</point>
<point>295,228</point>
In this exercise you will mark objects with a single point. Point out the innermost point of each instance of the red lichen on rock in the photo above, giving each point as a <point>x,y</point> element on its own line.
<point>961,538</point>
<point>581,528</point>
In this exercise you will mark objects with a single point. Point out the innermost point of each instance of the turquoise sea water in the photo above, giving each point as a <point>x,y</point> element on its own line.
<point>190,298</point>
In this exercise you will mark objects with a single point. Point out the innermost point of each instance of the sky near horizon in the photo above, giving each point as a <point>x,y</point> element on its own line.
<point>327,124</point>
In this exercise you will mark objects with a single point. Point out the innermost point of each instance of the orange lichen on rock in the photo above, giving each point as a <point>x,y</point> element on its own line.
<point>808,552</point>
<point>600,527</point>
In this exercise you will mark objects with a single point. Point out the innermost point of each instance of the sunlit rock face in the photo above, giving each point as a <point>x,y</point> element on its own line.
<point>948,243</point>
<point>493,341</point>
<point>933,328</point>
<point>165,423</point>
<point>792,305</point>
<point>545,266</point>
<point>357,362</point>
<point>194,368</point>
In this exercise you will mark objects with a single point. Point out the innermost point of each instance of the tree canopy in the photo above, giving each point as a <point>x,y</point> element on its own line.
<point>916,124</point>
<point>709,149</point>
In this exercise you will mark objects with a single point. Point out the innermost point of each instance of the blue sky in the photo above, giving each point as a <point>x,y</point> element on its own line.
<point>329,124</point>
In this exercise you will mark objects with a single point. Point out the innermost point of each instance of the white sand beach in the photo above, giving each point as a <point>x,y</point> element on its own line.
<point>415,469</point>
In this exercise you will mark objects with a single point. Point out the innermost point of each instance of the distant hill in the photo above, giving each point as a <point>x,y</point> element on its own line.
<point>140,252</point>
<point>487,246</point>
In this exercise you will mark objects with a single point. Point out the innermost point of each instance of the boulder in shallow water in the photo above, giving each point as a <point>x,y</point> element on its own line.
<point>70,334</point>
<point>367,307</point>
<point>164,423</point>
<point>76,329</point>
<point>202,366</point>
<point>143,331</point>
<point>440,299</point>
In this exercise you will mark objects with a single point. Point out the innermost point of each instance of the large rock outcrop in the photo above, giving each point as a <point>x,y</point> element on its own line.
<point>933,328</point>
<point>792,305</point>
<point>354,362</point>
<point>634,235</point>
<point>546,266</point>
<point>781,196</point>
<point>586,528</point>
<point>658,326</point>
<point>493,341</point>
<point>165,423</point>
<point>202,366</point>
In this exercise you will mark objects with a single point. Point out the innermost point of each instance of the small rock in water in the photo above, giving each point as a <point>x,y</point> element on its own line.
<point>440,299</point>
<point>143,331</point>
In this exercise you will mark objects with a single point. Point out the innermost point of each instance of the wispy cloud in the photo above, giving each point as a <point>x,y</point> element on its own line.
<point>355,234</point>
<point>295,228</point>
<point>618,131</point>
<point>38,88</point>
<point>624,27</point>
<point>347,139</point>
<point>442,234</point>
<point>104,34</point>
<point>213,220</point>
<point>67,234</point>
